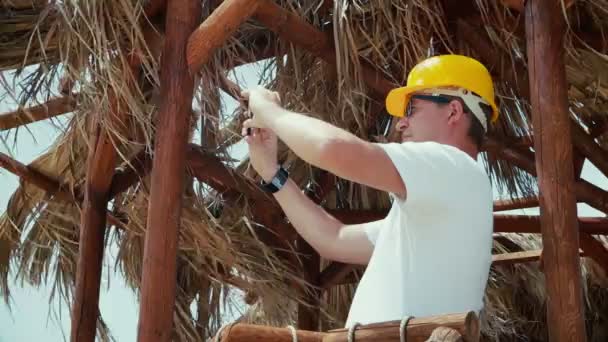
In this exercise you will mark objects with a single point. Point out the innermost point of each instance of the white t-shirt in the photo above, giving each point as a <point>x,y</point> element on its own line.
<point>432,253</point>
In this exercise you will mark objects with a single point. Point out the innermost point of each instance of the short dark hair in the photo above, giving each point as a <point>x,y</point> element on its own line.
<point>476,131</point>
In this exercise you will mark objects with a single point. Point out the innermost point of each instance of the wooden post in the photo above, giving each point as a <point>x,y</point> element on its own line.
<point>101,161</point>
<point>160,251</point>
<point>308,315</point>
<point>334,273</point>
<point>545,27</point>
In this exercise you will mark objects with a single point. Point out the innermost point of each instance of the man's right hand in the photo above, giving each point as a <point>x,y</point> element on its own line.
<point>262,150</point>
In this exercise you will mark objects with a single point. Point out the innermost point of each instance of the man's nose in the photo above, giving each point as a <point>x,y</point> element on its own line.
<point>403,123</point>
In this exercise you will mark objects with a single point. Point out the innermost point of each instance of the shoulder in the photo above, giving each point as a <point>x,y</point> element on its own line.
<point>430,153</point>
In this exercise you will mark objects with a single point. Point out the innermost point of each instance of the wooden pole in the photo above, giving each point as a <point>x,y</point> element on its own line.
<point>160,251</point>
<point>545,27</point>
<point>308,315</point>
<point>101,161</point>
<point>100,169</point>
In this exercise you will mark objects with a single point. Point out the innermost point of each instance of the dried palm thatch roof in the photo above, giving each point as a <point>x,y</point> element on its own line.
<point>93,50</point>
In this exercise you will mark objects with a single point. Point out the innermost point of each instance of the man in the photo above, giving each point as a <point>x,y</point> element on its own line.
<point>431,255</point>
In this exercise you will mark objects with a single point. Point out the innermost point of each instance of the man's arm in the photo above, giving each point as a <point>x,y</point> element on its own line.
<point>328,236</point>
<point>335,150</point>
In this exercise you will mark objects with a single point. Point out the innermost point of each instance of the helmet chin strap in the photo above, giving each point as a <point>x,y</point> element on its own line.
<point>471,100</point>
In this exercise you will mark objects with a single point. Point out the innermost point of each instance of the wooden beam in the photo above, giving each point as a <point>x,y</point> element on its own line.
<point>216,29</point>
<point>53,187</point>
<point>135,170</point>
<point>294,29</point>
<point>595,249</point>
<point>491,59</point>
<point>585,191</point>
<point>335,273</point>
<point>589,148</point>
<point>517,76</point>
<point>502,223</point>
<point>520,203</point>
<point>522,143</point>
<point>502,259</point>
<point>23,116</point>
<point>154,7</point>
<point>519,4</point>
<point>531,224</point>
<point>515,257</point>
<point>30,175</point>
<point>545,28</point>
<point>208,168</point>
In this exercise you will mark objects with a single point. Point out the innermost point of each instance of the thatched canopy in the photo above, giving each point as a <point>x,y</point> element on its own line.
<point>99,61</point>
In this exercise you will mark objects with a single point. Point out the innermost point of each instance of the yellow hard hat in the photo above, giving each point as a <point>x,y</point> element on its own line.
<point>444,71</point>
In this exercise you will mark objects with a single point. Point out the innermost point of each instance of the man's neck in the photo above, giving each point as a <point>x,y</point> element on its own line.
<point>465,145</point>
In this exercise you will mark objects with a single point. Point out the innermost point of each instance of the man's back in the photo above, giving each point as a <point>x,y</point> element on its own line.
<point>433,251</point>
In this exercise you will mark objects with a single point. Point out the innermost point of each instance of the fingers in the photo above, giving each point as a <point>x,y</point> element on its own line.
<point>268,94</point>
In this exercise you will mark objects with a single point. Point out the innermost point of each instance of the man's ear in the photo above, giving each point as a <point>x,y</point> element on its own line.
<point>456,112</point>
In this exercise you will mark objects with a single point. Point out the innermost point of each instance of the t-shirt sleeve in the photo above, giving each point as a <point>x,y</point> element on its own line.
<point>372,230</point>
<point>425,169</point>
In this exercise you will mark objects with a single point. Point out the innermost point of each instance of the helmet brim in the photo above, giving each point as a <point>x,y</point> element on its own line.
<point>397,99</point>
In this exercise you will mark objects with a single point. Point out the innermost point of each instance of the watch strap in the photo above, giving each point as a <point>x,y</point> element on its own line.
<point>277,182</point>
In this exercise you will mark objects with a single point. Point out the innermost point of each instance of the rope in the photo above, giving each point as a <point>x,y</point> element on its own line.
<point>294,334</point>
<point>403,328</point>
<point>351,331</point>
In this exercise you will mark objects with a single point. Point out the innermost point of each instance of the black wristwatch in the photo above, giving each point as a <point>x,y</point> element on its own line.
<point>277,182</point>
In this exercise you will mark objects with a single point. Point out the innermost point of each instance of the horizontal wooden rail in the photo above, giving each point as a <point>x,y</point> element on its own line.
<point>53,187</point>
<point>418,329</point>
<point>23,116</point>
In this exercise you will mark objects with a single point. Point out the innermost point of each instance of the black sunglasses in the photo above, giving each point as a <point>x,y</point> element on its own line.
<point>440,99</point>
